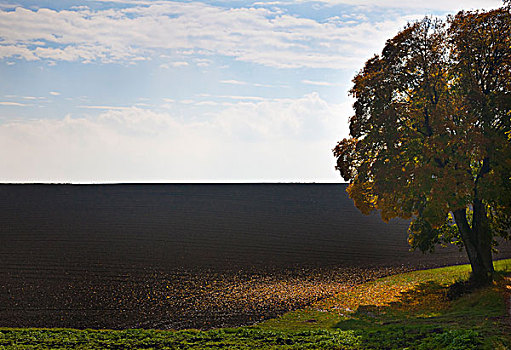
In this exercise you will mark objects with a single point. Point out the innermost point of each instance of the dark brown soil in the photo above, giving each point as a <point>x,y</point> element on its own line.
<point>181,256</point>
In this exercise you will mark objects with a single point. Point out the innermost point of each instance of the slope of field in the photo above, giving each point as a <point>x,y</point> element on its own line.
<point>178,256</point>
<point>404,311</point>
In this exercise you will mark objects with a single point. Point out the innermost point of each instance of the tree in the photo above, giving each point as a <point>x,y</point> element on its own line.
<point>430,138</point>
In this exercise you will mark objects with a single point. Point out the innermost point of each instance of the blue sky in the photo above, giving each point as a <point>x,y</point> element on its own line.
<point>186,91</point>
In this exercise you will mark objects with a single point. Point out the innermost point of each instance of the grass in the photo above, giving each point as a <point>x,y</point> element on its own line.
<point>406,311</point>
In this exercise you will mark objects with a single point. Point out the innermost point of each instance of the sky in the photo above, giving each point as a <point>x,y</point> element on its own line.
<point>186,91</point>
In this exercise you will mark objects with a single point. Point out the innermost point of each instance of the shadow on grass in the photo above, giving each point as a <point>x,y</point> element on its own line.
<point>424,298</point>
<point>425,318</point>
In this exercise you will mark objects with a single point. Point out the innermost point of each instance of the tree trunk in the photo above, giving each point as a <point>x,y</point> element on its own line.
<point>477,240</point>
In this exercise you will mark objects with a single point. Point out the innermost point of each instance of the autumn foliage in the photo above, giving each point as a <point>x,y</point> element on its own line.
<point>429,140</point>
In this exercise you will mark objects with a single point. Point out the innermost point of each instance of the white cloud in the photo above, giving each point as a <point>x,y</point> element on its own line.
<point>258,35</point>
<point>318,83</point>
<point>248,98</point>
<point>417,5</point>
<point>174,64</point>
<point>113,108</point>
<point>32,98</point>
<point>17,104</point>
<point>263,85</point>
<point>240,82</point>
<point>275,140</point>
<point>203,62</point>
<point>179,64</point>
<point>233,82</point>
<point>54,93</point>
<point>25,97</point>
<point>207,103</point>
<point>17,51</point>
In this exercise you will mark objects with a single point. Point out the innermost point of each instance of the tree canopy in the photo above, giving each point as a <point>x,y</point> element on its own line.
<point>430,139</point>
